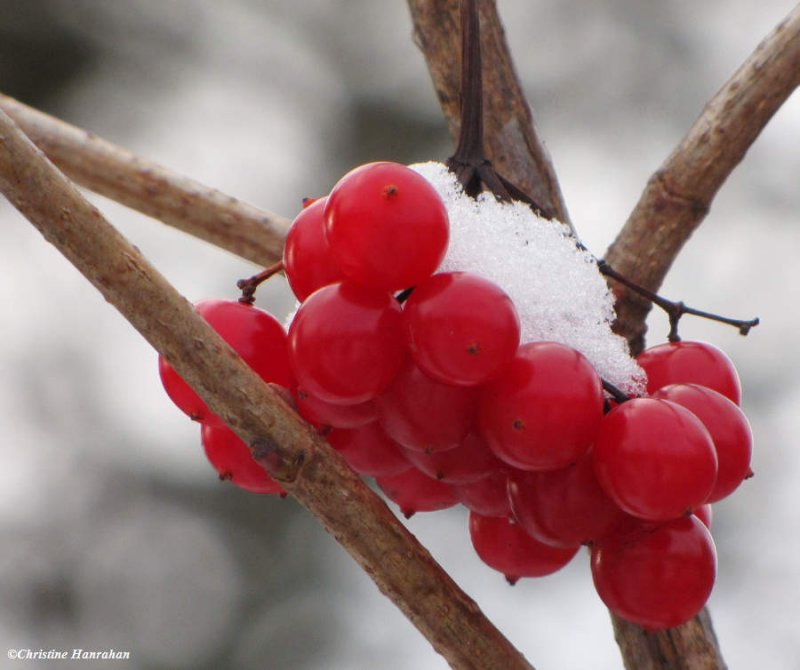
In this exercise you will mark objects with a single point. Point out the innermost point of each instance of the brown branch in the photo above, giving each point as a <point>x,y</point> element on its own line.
<point>287,447</point>
<point>153,190</point>
<point>679,195</point>
<point>692,646</point>
<point>512,144</point>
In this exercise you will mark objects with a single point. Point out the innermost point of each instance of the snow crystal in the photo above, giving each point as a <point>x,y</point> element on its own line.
<point>557,288</point>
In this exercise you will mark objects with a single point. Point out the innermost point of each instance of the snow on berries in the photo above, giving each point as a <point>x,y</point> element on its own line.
<point>460,351</point>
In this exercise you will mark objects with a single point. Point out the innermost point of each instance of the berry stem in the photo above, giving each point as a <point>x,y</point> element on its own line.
<point>469,162</point>
<point>249,286</point>
<point>674,310</point>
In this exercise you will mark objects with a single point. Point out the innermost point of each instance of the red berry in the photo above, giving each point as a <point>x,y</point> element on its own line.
<point>654,458</point>
<point>503,545</point>
<point>487,496</point>
<point>543,411</point>
<point>386,225</point>
<point>690,363</point>
<point>346,343</point>
<point>705,513</point>
<point>729,430</point>
<point>415,492</point>
<point>424,414</point>
<point>369,451</point>
<point>468,462</point>
<point>462,328</point>
<point>307,258</point>
<point>329,415</point>
<point>234,462</point>
<point>255,335</point>
<point>563,508</point>
<point>659,576</point>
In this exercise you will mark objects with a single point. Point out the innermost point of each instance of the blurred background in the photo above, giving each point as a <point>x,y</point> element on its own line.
<point>115,532</point>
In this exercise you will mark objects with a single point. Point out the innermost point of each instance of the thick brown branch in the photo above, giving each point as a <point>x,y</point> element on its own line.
<point>512,144</point>
<point>692,646</point>
<point>153,190</point>
<point>288,448</point>
<point>680,193</point>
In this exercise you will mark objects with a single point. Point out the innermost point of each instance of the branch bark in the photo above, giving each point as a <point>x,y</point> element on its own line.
<point>512,143</point>
<point>118,174</point>
<point>679,195</point>
<point>283,444</point>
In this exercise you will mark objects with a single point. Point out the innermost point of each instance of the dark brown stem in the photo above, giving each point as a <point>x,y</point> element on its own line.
<point>248,286</point>
<point>674,310</point>
<point>469,162</point>
<point>511,143</point>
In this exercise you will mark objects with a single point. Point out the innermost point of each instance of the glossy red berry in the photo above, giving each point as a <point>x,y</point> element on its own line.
<point>729,430</point>
<point>424,414</point>
<point>369,451</point>
<point>462,328</point>
<point>255,335</point>
<point>543,411</point>
<point>503,545</point>
<point>690,363</point>
<point>307,258</point>
<point>659,576</point>
<point>233,461</point>
<point>386,225</point>
<point>326,415</point>
<point>487,496</point>
<point>655,459</point>
<point>565,507</point>
<point>413,491</point>
<point>346,343</point>
<point>470,461</point>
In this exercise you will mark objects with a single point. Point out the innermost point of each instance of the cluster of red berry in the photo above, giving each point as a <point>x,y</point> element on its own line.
<point>430,392</point>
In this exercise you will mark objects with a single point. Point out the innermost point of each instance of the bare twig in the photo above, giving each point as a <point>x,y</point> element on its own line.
<point>151,189</point>
<point>287,447</point>
<point>512,144</point>
<point>679,194</point>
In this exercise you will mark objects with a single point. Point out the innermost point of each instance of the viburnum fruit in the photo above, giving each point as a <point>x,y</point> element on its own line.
<point>346,343</point>
<point>423,414</point>
<point>462,328</point>
<point>729,430</point>
<point>654,458</point>
<point>690,363</point>
<point>414,492</point>
<point>487,496</point>
<point>543,411</point>
<point>307,258</point>
<point>657,576</point>
<point>255,335</point>
<point>326,415</point>
<point>565,507</point>
<point>503,545</point>
<point>386,225</point>
<point>470,461</point>
<point>234,462</point>
<point>369,451</point>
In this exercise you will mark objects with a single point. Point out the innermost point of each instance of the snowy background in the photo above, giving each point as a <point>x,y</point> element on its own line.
<point>115,531</point>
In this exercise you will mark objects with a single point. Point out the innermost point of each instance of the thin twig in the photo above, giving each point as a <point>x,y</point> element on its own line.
<point>286,446</point>
<point>152,189</point>
<point>512,144</point>
<point>679,194</point>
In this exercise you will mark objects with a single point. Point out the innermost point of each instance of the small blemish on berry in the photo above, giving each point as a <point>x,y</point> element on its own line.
<point>518,424</point>
<point>473,349</point>
<point>390,191</point>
